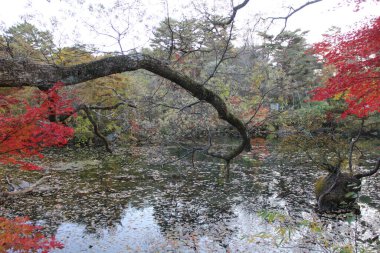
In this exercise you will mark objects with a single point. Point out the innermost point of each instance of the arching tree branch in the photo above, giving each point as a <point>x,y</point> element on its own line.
<point>233,15</point>
<point>17,73</point>
<point>371,172</point>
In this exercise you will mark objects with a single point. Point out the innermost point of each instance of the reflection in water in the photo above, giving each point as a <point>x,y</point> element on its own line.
<point>136,232</point>
<point>139,232</point>
<point>117,204</point>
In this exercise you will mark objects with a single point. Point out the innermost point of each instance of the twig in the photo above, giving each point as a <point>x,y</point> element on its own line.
<point>171,32</point>
<point>259,106</point>
<point>190,105</point>
<point>292,12</point>
<point>233,15</point>
<point>121,97</point>
<point>222,58</point>
<point>86,109</point>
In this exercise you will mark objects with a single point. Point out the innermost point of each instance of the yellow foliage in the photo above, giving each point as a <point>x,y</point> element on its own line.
<point>69,56</point>
<point>319,185</point>
<point>338,96</point>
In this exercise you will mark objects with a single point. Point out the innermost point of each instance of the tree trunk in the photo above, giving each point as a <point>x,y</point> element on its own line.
<point>337,192</point>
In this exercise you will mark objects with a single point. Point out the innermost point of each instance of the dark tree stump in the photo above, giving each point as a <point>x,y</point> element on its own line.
<point>337,192</point>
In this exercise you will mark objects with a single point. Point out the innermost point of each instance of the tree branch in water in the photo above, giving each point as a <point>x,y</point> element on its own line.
<point>25,190</point>
<point>369,173</point>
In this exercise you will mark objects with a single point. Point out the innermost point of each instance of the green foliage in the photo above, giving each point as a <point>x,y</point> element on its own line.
<point>350,218</point>
<point>288,229</point>
<point>346,249</point>
<point>83,130</point>
<point>319,185</point>
<point>289,68</point>
<point>24,40</point>
<point>271,216</point>
<point>69,56</point>
<point>352,195</point>
<point>365,199</point>
<point>182,37</point>
<point>314,226</point>
<point>223,89</point>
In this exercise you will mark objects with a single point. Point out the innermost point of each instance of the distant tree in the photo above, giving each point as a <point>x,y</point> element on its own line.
<point>26,41</point>
<point>292,69</point>
<point>178,39</point>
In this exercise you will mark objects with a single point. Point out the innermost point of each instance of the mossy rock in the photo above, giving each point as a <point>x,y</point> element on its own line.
<point>342,196</point>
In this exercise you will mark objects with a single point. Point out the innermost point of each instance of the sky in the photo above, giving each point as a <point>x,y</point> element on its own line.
<point>73,23</point>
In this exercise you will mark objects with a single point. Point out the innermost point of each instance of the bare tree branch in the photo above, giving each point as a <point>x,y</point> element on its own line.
<point>371,172</point>
<point>222,58</point>
<point>190,105</point>
<point>327,166</point>
<point>171,49</point>
<point>233,15</point>
<point>262,99</point>
<point>96,128</point>
<point>292,11</point>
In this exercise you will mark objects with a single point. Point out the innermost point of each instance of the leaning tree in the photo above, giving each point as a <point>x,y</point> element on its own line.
<point>26,60</point>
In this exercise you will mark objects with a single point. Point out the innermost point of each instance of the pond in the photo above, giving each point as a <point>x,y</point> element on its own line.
<point>150,199</point>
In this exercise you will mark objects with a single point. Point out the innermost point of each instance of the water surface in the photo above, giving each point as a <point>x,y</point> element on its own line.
<point>151,201</point>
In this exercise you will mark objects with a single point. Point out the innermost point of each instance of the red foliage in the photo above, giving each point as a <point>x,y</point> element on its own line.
<point>259,148</point>
<point>235,100</point>
<point>356,59</point>
<point>20,236</point>
<point>259,115</point>
<point>135,126</point>
<point>25,129</point>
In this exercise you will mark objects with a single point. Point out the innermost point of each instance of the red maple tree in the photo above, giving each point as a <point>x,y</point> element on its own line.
<point>355,57</point>
<point>25,128</point>
<point>19,235</point>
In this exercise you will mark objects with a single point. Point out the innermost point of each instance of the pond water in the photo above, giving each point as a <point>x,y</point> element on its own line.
<point>152,201</point>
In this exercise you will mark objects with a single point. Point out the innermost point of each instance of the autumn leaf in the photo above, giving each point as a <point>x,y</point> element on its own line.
<point>355,57</point>
<point>19,235</point>
<point>25,128</point>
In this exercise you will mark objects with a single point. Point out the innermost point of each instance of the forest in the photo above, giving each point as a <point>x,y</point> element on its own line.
<point>197,126</point>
